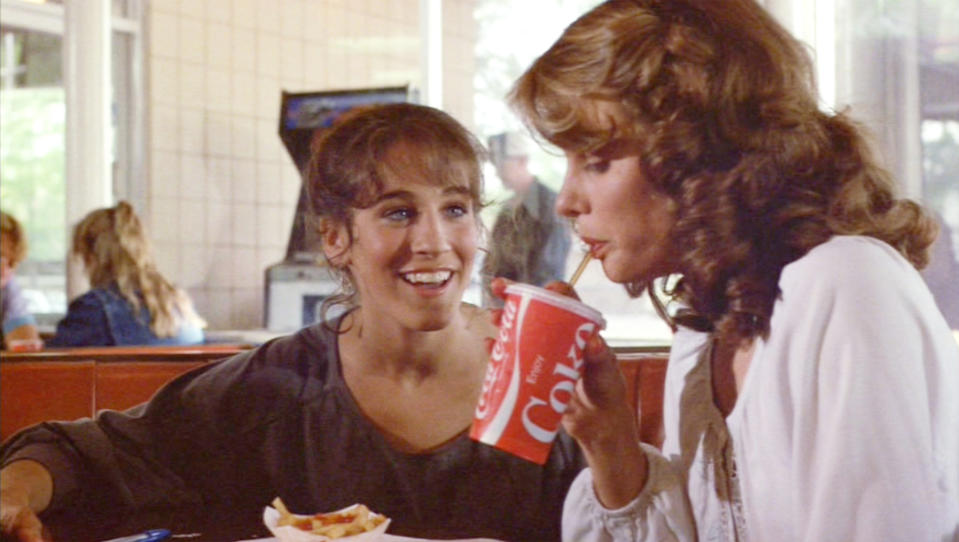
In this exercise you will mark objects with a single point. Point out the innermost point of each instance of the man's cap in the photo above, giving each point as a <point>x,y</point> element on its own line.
<point>508,144</point>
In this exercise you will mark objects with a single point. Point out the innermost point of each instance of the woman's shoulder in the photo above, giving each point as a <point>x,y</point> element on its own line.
<point>853,276</point>
<point>849,262</point>
<point>308,354</point>
<point>102,297</point>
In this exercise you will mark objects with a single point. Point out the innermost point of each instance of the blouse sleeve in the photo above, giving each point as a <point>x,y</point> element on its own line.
<point>875,454</point>
<point>659,513</point>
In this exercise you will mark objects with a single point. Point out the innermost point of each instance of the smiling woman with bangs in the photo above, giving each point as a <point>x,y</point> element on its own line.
<point>372,406</point>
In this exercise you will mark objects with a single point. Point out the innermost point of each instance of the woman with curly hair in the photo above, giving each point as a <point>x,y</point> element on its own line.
<point>130,302</point>
<point>813,385</point>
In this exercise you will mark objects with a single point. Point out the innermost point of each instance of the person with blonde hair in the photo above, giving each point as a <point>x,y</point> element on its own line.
<point>130,302</point>
<point>18,323</point>
<point>812,390</point>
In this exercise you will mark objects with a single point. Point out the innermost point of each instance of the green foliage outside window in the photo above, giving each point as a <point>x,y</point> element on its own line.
<point>32,189</point>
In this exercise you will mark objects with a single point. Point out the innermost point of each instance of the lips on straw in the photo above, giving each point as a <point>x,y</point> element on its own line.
<point>579,269</point>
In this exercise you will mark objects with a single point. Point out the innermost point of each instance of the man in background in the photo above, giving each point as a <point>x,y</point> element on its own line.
<point>529,242</point>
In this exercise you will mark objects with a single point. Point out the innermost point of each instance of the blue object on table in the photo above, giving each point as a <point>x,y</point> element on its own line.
<point>153,535</point>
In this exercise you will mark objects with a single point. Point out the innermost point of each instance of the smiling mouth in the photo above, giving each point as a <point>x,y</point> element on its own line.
<point>432,278</point>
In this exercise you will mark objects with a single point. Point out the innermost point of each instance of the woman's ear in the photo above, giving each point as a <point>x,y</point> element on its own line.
<point>336,243</point>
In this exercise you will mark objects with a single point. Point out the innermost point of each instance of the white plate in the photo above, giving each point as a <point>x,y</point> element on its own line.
<point>289,533</point>
<point>386,537</point>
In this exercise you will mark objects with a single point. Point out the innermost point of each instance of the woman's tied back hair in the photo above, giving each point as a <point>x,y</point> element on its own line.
<point>720,103</point>
<point>115,250</point>
<point>351,161</point>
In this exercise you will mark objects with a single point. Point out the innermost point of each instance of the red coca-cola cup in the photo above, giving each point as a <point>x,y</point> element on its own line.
<point>533,368</point>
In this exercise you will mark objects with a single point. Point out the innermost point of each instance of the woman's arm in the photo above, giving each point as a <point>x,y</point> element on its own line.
<point>629,491</point>
<point>26,488</point>
<point>602,422</point>
<point>25,332</point>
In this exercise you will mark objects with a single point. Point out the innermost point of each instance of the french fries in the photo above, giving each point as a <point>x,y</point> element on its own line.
<point>348,522</point>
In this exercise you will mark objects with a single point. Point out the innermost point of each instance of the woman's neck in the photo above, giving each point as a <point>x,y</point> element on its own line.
<point>388,349</point>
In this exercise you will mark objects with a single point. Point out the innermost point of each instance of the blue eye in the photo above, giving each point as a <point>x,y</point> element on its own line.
<point>457,210</point>
<point>399,215</point>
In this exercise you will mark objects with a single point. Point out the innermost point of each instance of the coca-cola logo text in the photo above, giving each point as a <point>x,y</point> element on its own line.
<point>496,362</point>
<point>562,390</point>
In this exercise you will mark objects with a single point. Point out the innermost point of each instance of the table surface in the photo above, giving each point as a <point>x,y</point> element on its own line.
<point>188,526</point>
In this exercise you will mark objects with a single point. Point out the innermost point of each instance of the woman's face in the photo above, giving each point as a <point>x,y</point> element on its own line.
<point>626,223</point>
<point>412,253</point>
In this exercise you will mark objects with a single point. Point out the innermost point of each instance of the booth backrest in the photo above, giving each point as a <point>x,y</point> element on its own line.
<point>645,374</point>
<point>71,383</point>
<point>32,392</point>
<point>79,382</point>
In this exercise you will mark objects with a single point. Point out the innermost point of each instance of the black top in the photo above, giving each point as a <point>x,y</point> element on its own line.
<point>280,421</point>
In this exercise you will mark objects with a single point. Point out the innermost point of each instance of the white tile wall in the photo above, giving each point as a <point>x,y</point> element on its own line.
<point>222,188</point>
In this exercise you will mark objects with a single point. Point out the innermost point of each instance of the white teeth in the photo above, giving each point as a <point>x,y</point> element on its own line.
<point>435,277</point>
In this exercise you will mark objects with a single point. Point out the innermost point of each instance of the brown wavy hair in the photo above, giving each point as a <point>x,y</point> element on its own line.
<point>115,251</point>
<point>721,103</point>
<point>350,161</point>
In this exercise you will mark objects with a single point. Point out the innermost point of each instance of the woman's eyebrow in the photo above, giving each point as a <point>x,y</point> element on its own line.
<point>393,194</point>
<point>457,189</point>
<point>615,149</point>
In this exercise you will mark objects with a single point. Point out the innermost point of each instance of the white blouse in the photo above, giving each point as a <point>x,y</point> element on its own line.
<point>846,427</point>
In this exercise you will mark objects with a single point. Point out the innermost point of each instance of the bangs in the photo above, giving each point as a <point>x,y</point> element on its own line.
<point>426,162</point>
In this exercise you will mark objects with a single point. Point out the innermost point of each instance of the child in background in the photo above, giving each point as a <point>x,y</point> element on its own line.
<point>19,325</point>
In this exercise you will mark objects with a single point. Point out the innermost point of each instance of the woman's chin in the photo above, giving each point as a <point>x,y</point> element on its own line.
<point>615,273</point>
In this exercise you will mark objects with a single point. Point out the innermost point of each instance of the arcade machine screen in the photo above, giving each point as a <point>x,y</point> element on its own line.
<point>296,287</point>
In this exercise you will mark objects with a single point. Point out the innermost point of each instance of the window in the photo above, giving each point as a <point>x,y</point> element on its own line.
<point>33,117</point>
<point>32,128</point>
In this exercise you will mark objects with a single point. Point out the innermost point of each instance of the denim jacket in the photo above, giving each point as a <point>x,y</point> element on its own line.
<point>102,317</point>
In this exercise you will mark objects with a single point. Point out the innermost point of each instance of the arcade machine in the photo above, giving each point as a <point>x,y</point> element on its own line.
<point>297,286</point>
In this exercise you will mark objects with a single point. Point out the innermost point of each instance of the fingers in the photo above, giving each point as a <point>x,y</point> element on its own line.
<point>30,529</point>
<point>563,288</point>
<point>489,342</point>
<point>21,522</point>
<point>498,285</point>
<point>602,382</point>
<point>496,315</point>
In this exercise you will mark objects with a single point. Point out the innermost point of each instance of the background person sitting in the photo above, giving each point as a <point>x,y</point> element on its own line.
<point>18,323</point>
<point>130,302</point>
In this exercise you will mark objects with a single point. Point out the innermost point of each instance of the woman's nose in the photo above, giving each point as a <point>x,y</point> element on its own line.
<point>569,201</point>
<point>429,235</point>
